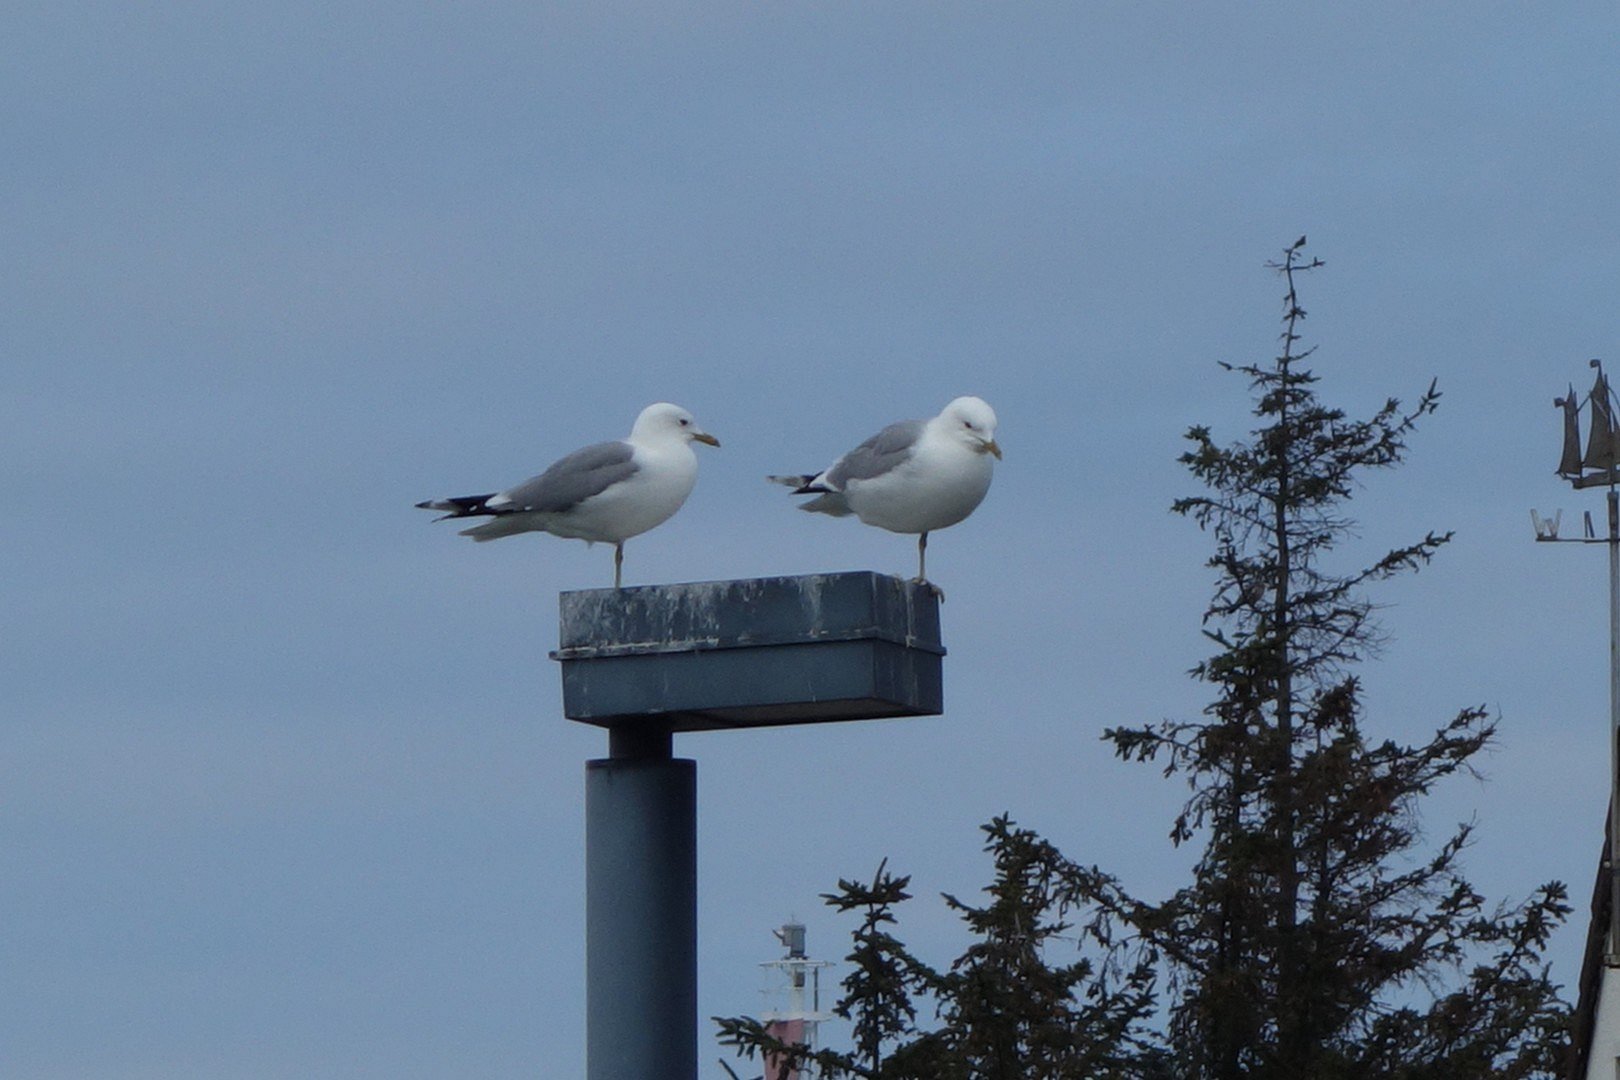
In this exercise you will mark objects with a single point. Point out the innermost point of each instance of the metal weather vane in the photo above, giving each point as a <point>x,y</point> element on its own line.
<point>1575,466</point>
<point>1597,466</point>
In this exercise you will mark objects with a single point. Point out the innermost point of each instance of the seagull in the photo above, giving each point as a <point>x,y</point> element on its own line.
<point>609,491</point>
<point>914,476</point>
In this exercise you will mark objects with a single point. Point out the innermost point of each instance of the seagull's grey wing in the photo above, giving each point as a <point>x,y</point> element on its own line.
<point>877,455</point>
<point>571,480</point>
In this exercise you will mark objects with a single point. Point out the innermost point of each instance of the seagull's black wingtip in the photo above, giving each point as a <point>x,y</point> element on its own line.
<point>459,506</point>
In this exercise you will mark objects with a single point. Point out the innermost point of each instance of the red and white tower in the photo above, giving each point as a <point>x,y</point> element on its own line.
<point>801,983</point>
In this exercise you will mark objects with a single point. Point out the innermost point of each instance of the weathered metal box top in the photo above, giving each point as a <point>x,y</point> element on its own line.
<point>749,653</point>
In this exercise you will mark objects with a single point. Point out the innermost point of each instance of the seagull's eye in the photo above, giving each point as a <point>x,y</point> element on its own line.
<point>685,422</point>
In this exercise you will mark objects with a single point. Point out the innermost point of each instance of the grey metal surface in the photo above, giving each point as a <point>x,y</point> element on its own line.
<point>641,919</point>
<point>756,652</point>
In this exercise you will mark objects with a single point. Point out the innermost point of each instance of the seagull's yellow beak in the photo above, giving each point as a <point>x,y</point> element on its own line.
<point>989,447</point>
<point>705,437</point>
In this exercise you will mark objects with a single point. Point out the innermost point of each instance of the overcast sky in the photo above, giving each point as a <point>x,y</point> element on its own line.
<point>286,789</point>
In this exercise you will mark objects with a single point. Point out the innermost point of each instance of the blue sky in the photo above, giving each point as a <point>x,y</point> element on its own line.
<point>287,788</point>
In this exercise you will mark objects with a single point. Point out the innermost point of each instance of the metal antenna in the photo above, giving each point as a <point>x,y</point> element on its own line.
<point>1598,467</point>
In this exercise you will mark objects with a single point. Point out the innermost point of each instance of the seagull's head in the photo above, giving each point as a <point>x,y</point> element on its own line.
<point>973,421</point>
<point>665,422</point>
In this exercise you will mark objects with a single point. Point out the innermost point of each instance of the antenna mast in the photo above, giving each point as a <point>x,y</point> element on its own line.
<point>1598,467</point>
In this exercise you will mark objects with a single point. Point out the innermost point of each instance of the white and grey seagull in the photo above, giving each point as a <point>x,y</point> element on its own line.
<point>914,476</point>
<point>606,492</point>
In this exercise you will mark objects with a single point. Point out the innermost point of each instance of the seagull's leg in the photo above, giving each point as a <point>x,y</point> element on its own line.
<point>618,563</point>
<point>922,568</point>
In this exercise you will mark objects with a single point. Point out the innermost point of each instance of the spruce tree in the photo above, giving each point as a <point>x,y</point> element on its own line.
<point>1316,930</point>
<point>1034,997</point>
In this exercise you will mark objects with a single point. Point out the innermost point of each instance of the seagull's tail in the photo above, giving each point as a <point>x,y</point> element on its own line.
<point>799,482</point>
<point>460,506</point>
<point>499,526</point>
<point>829,501</point>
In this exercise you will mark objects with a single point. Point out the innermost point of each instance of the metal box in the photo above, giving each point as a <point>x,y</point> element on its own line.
<point>751,653</point>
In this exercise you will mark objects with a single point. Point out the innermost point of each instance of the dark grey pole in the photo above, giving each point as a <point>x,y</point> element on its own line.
<point>641,910</point>
<point>650,661</point>
<point>1614,723</point>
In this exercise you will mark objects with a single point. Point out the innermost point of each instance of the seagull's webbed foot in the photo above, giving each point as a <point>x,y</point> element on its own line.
<point>939,593</point>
